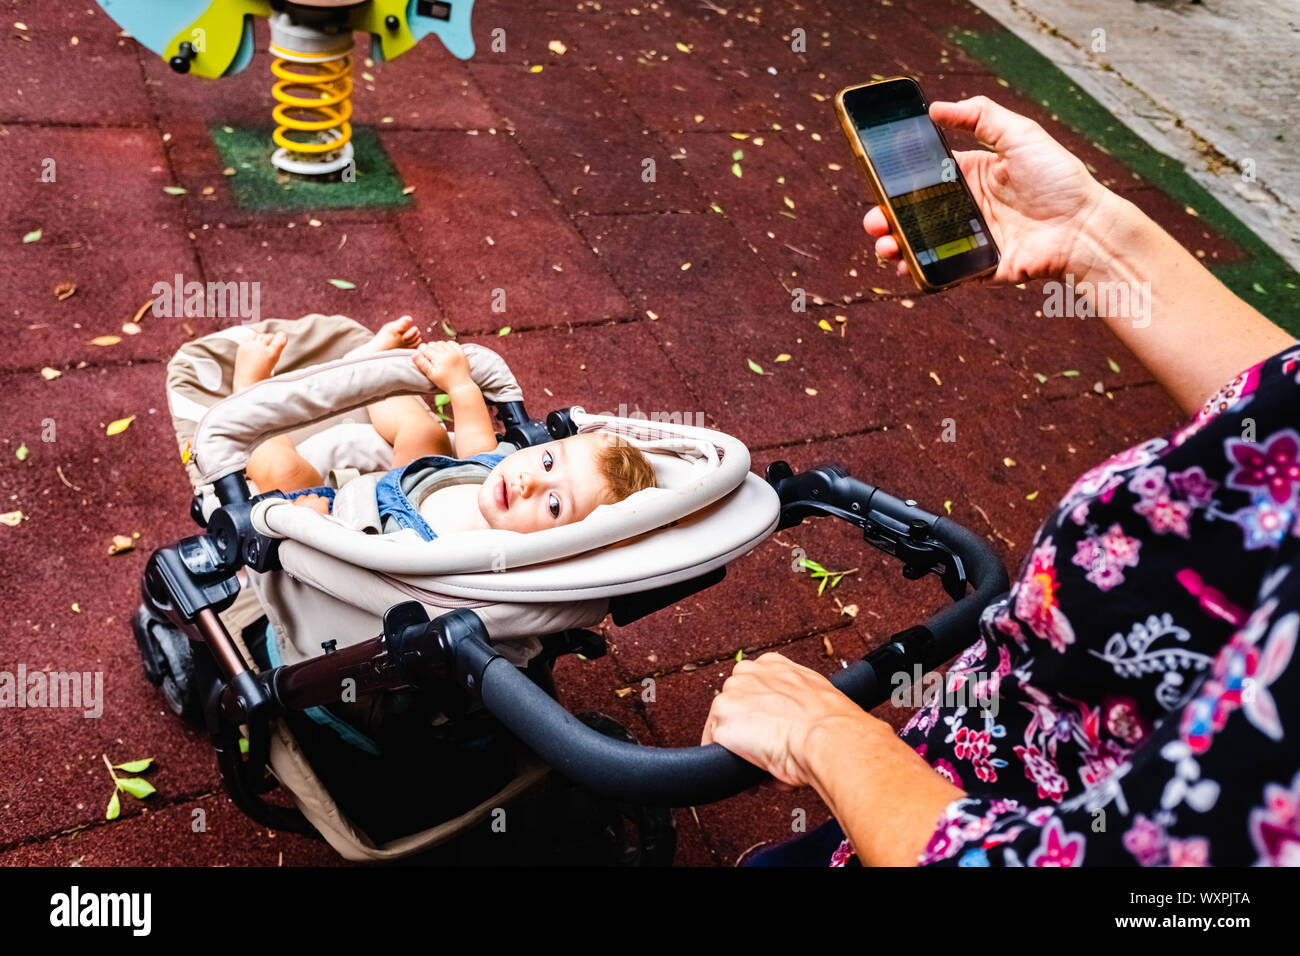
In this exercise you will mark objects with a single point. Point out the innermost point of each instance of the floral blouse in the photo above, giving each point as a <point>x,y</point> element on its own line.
<point>1135,699</point>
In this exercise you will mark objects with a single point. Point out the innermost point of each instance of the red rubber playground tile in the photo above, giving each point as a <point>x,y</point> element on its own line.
<point>208,830</point>
<point>1042,336</point>
<point>595,154</point>
<point>668,88</point>
<point>785,210</point>
<point>69,65</point>
<point>107,234</point>
<point>609,369</point>
<point>485,221</point>
<point>76,493</point>
<point>297,269</point>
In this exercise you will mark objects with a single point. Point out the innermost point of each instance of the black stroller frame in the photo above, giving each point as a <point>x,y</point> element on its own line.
<point>186,648</point>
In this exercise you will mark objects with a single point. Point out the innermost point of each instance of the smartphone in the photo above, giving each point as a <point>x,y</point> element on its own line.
<point>940,231</point>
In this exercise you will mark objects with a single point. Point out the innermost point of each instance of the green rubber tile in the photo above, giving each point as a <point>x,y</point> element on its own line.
<point>259,185</point>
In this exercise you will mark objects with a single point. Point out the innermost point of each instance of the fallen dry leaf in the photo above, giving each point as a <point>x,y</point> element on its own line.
<point>130,328</point>
<point>12,518</point>
<point>623,691</point>
<point>50,374</point>
<point>121,543</point>
<point>142,311</point>
<point>65,290</point>
<point>106,340</point>
<point>119,426</point>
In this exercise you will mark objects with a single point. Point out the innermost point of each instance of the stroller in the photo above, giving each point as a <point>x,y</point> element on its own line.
<point>399,690</point>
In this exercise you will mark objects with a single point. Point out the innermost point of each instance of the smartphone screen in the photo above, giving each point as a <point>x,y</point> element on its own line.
<point>922,184</point>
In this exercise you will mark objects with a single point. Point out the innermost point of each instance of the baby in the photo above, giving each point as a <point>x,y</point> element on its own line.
<point>543,486</point>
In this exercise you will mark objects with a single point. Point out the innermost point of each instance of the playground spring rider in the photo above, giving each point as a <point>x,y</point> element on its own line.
<point>312,43</point>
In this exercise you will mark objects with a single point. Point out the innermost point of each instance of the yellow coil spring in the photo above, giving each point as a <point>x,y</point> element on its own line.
<point>315,102</point>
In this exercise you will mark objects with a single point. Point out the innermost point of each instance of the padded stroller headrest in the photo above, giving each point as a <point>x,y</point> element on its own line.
<point>694,466</point>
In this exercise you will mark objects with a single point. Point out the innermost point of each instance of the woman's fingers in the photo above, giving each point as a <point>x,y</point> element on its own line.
<point>979,115</point>
<point>875,222</point>
<point>887,247</point>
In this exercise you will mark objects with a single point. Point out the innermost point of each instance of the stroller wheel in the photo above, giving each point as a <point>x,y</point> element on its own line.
<point>168,662</point>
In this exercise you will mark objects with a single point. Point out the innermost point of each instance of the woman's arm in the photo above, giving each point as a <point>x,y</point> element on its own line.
<point>1052,220</point>
<point>1195,334</point>
<point>797,726</point>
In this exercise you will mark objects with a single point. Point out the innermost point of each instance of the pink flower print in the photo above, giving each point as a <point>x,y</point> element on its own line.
<point>1123,550</point>
<point>1088,553</point>
<point>1123,720</point>
<point>1275,827</point>
<point>1107,556</point>
<point>1079,515</point>
<point>1041,769</point>
<point>1273,467</point>
<point>1193,485</point>
<point>1225,398</point>
<point>1146,841</point>
<point>1058,847</point>
<point>842,854</point>
<point>1265,524</point>
<point>1166,515</point>
<point>1098,765</point>
<point>1149,482</point>
<point>1037,603</point>
<point>946,770</point>
<point>1191,852</point>
<point>973,745</point>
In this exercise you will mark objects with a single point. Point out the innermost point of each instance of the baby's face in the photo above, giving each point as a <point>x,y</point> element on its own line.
<point>544,486</point>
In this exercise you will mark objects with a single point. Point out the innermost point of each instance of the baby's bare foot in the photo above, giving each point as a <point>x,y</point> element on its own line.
<point>315,502</point>
<point>256,358</point>
<point>401,333</point>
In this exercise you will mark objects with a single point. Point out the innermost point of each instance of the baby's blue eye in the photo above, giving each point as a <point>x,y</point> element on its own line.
<point>555,507</point>
<point>547,460</point>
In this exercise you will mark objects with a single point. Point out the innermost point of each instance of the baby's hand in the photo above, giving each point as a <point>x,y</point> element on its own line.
<point>444,364</point>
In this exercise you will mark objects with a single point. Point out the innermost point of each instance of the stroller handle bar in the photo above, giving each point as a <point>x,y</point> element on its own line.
<point>691,775</point>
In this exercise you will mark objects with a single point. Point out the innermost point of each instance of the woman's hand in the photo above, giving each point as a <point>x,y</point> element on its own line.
<point>444,364</point>
<point>1037,197</point>
<point>768,712</point>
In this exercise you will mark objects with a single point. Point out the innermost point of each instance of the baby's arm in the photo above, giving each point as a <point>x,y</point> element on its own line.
<point>445,365</point>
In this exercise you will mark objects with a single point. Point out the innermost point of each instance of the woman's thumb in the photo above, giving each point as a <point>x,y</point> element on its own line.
<point>979,115</point>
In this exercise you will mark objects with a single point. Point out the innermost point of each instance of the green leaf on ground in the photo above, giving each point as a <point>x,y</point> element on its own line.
<point>114,807</point>
<point>134,766</point>
<point>755,367</point>
<point>33,236</point>
<point>342,284</point>
<point>137,787</point>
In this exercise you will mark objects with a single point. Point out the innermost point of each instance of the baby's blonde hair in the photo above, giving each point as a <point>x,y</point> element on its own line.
<point>625,469</point>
